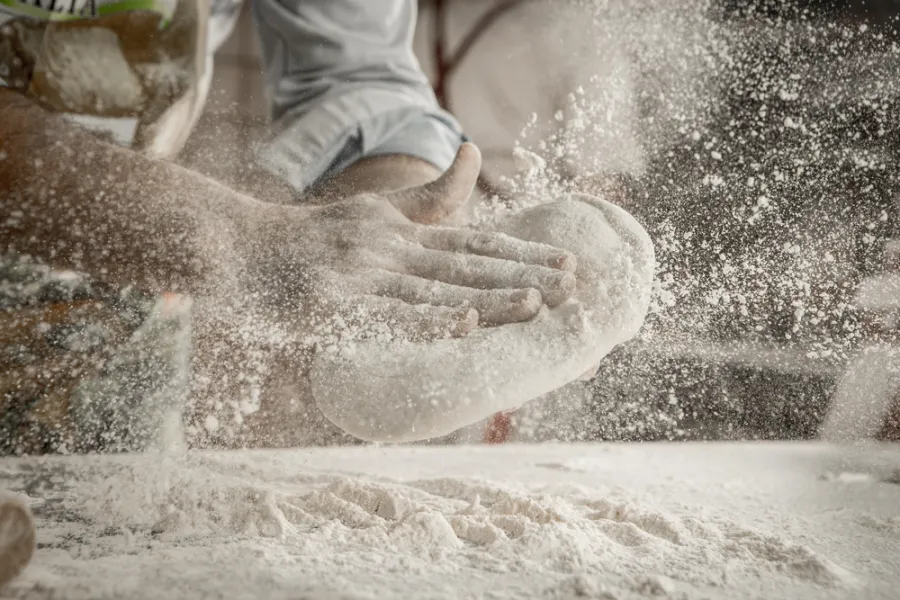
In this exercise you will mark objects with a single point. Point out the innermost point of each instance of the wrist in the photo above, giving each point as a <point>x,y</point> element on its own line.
<point>230,235</point>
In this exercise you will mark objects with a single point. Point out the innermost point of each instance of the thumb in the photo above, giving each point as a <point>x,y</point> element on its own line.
<point>434,202</point>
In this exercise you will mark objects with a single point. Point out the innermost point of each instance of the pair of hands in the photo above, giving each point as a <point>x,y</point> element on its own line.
<point>378,264</point>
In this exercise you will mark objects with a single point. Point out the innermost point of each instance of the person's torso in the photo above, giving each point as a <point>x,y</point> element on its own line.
<point>135,71</point>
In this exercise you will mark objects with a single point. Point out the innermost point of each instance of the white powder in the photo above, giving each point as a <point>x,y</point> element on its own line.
<point>497,524</point>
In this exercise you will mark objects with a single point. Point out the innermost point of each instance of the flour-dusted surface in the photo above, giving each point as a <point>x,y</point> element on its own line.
<point>595,521</point>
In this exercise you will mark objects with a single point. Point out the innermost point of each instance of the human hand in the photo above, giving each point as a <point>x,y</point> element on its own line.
<point>379,390</point>
<point>362,263</point>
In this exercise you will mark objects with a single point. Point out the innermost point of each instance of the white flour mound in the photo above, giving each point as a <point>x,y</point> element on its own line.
<point>403,391</point>
<point>615,522</point>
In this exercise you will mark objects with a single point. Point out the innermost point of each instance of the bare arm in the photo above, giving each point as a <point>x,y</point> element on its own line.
<point>77,202</point>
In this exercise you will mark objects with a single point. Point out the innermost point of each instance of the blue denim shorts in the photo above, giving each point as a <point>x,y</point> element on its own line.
<point>343,84</point>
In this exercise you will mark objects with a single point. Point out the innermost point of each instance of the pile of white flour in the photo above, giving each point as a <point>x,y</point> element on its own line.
<point>660,521</point>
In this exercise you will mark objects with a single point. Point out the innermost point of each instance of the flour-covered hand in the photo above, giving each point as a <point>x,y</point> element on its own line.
<point>365,259</point>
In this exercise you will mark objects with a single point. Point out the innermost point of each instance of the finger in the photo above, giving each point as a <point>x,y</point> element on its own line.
<point>495,307</point>
<point>481,272</point>
<point>495,245</point>
<point>436,201</point>
<point>398,319</point>
<point>339,315</point>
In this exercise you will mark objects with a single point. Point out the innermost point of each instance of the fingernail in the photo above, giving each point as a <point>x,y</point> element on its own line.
<point>565,262</point>
<point>529,296</point>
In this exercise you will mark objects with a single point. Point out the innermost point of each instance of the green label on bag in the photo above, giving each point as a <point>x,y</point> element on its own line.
<point>68,10</point>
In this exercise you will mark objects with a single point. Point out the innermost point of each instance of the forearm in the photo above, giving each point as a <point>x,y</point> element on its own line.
<point>79,203</point>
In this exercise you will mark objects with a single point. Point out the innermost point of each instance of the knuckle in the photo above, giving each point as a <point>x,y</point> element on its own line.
<point>483,242</point>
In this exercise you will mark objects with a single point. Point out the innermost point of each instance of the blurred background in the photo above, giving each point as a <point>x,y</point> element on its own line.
<point>757,141</point>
